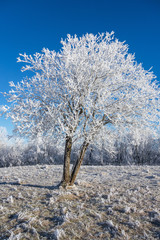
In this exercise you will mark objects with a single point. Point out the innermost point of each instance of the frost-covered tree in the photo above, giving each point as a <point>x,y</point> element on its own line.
<point>89,89</point>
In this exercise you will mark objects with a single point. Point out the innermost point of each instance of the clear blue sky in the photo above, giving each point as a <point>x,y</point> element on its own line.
<point>29,25</point>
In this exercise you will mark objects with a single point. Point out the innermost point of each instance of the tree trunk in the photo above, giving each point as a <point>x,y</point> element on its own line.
<point>66,166</point>
<point>78,163</point>
<point>102,155</point>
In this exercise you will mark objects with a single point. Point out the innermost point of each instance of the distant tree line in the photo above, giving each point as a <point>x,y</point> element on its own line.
<point>125,151</point>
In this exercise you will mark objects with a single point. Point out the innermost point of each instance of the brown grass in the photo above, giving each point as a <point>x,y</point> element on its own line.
<point>106,203</point>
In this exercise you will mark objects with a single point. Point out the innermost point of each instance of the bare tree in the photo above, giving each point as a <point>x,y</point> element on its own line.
<point>89,89</point>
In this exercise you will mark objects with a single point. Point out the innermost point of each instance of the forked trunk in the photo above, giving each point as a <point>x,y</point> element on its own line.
<point>78,163</point>
<point>66,166</point>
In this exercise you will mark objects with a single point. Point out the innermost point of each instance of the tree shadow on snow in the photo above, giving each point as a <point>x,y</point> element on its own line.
<point>31,185</point>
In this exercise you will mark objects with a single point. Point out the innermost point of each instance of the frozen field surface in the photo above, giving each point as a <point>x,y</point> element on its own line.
<point>106,202</point>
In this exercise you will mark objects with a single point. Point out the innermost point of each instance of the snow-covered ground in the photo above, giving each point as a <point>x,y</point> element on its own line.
<point>106,202</point>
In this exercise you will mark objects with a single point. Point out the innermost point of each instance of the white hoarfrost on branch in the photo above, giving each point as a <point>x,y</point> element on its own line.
<point>89,89</point>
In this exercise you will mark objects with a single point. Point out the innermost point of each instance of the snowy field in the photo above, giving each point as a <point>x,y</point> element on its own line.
<point>106,202</point>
